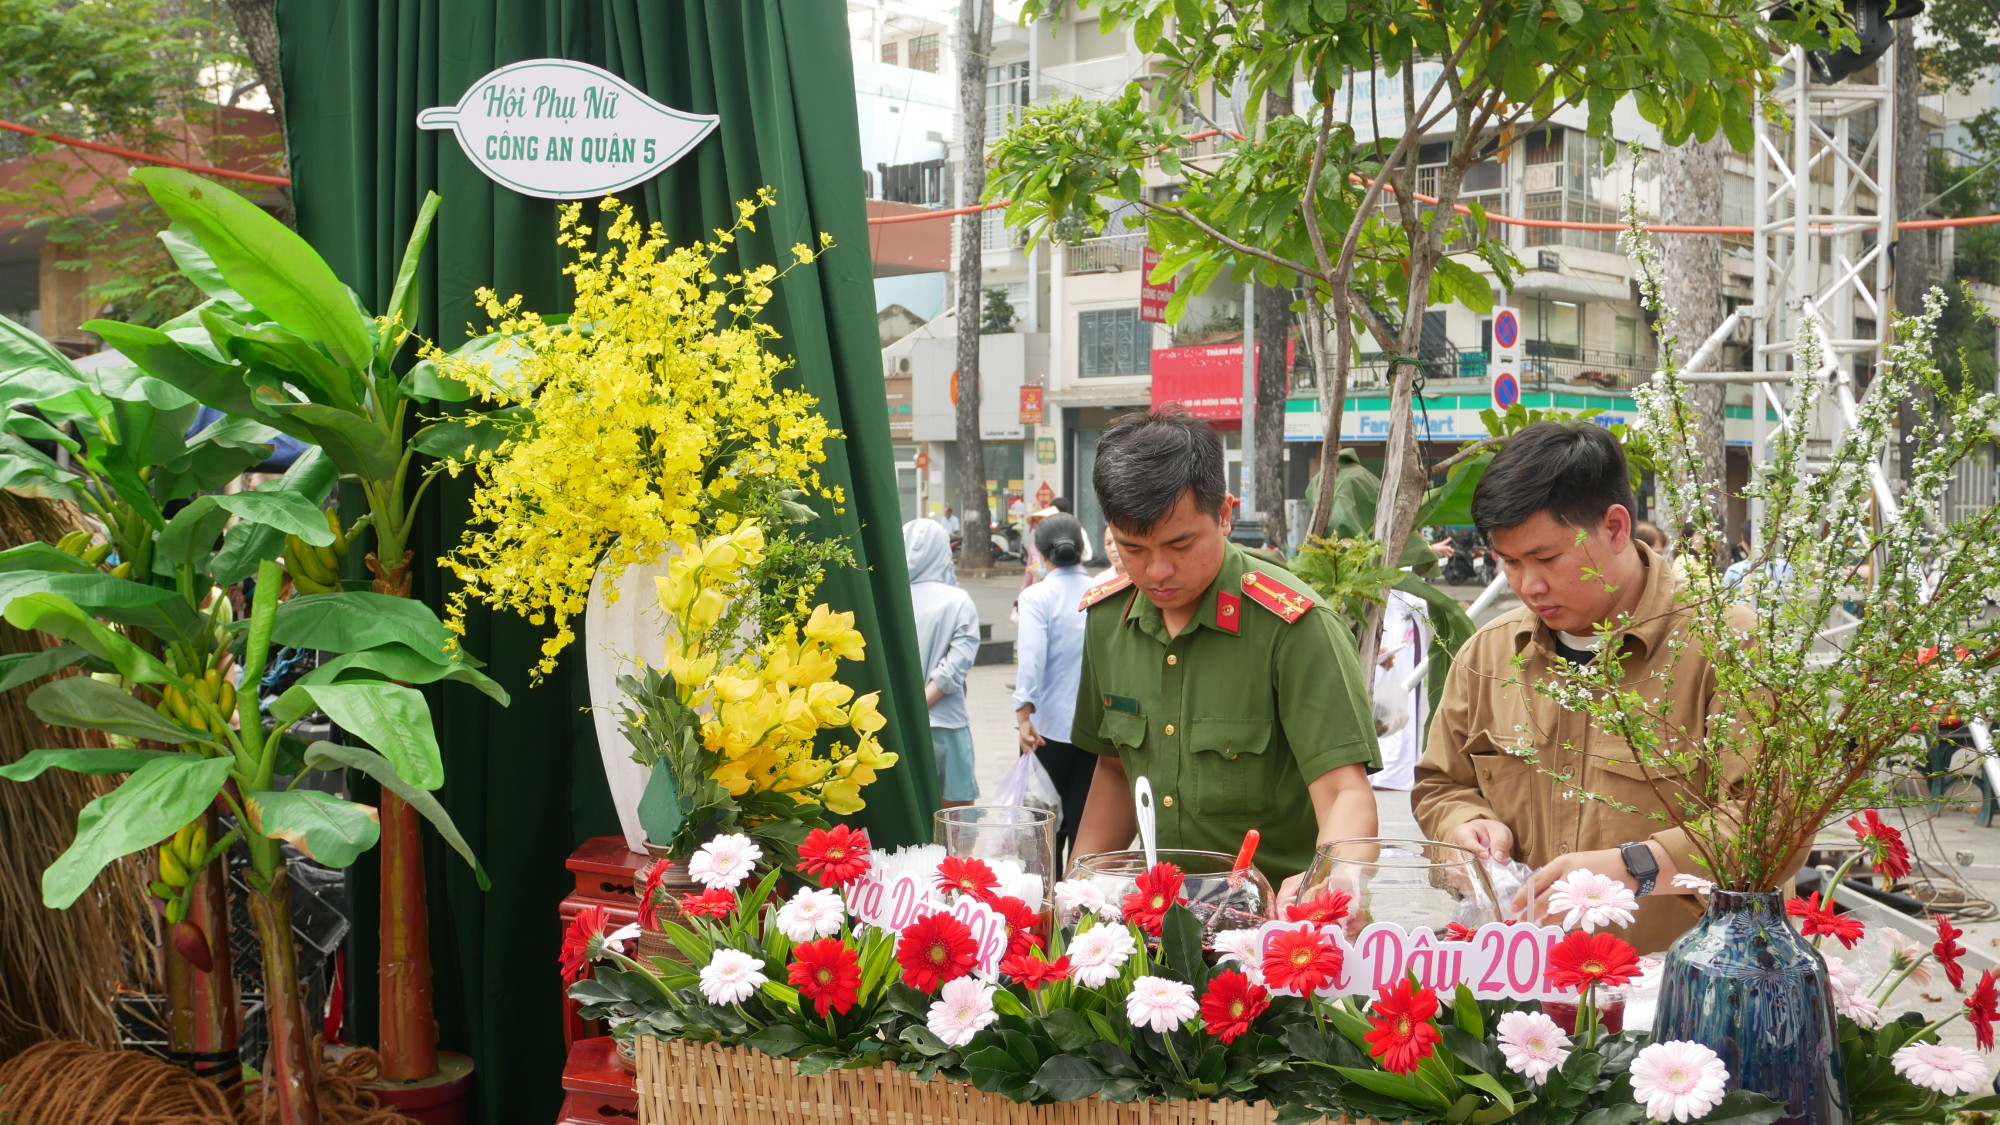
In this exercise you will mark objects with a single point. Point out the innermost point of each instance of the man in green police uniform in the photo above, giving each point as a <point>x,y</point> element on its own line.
<point>1218,677</point>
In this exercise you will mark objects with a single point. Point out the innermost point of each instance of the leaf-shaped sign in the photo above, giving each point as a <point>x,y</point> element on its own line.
<point>566,130</point>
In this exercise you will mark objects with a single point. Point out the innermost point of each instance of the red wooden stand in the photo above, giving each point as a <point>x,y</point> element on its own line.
<point>596,1090</point>
<point>607,875</point>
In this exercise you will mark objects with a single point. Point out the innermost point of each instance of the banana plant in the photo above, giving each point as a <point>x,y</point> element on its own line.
<point>128,464</point>
<point>281,341</point>
<point>231,754</point>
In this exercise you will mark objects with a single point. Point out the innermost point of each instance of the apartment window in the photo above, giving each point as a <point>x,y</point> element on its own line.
<point>1557,330</point>
<point>1006,93</point>
<point>1113,342</point>
<point>993,232</point>
<point>1625,340</point>
<point>924,53</point>
<point>889,51</point>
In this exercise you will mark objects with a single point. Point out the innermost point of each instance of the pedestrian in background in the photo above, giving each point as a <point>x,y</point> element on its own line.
<point>947,644</point>
<point>1049,649</point>
<point>1117,567</point>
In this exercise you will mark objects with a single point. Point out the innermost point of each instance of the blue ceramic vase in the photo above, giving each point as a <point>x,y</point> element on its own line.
<point>1744,984</point>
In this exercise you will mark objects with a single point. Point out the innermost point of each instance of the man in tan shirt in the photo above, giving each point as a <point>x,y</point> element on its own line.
<point>1557,506</point>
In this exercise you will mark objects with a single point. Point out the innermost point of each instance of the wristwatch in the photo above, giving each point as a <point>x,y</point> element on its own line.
<point>1639,862</point>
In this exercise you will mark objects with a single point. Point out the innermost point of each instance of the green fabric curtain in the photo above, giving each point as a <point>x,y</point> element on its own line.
<point>524,783</point>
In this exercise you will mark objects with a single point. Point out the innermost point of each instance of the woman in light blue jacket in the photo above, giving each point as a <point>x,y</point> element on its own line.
<point>1049,648</point>
<point>947,644</point>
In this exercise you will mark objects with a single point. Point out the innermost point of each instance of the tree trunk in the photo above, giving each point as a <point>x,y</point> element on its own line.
<point>1267,441</point>
<point>1916,270</point>
<point>1330,375</point>
<point>975,32</point>
<point>257,23</point>
<point>1274,319</point>
<point>290,1078</point>
<point>1691,194</point>
<point>204,1020</point>
<point>406,1025</point>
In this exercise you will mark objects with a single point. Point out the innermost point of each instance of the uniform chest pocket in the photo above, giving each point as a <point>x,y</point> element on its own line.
<point>1230,770</point>
<point>1124,729</point>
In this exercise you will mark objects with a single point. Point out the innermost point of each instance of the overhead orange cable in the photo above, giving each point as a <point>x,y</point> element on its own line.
<point>129,154</point>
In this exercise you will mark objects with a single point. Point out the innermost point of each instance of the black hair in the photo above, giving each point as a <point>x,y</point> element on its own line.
<point>1146,461</point>
<point>1060,504</point>
<point>1574,471</point>
<point>1060,540</point>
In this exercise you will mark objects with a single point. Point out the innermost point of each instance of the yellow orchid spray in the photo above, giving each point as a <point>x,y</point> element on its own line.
<point>648,418</point>
<point>758,735</point>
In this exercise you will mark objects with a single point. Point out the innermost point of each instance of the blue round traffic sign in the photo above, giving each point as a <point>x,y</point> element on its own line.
<point>1506,390</point>
<point>1506,329</point>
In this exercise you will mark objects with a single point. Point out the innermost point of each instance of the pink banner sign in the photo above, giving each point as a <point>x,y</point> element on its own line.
<point>1501,962</point>
<point>894,904</point>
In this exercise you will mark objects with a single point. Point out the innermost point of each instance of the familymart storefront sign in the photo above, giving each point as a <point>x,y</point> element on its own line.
<point>1455,417</point>
<point>557,129</point>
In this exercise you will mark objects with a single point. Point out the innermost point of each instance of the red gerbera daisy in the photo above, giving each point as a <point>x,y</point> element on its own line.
<point>1231,1003</point>
<point>1459,931</point>
<point>1885,843</point>
<point>1300,960</point>
<point>1404,1035</point>
<point>1328,908</point>
<point>1581,960</point>
<point>1159,889</point>
<point>1816,920</point>
<point>967,876</point>
<point>934,949</point>
<point>715,902</point>
<point>649,908</point>
<point>583,942</point>
<point>1035,972</point>
<point>1982,1008</point>
<point>838,855</point>
<point>1948,951</point>
<point>1021,922</point>
<point>827,973</point>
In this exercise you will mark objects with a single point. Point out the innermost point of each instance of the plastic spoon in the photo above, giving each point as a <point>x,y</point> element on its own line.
<point>1142,800</point>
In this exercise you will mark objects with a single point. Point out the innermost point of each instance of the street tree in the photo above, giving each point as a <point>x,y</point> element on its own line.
<point>1327,197</point>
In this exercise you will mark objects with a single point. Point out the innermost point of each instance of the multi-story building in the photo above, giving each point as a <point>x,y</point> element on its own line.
<point>1091,346</point>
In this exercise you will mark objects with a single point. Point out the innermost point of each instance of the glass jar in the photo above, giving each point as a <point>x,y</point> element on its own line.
<point>1222,900</point>
<point>1017,842</point>
<point>1413,883</point>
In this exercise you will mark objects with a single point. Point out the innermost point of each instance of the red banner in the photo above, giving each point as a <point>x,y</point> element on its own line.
<point>1152,298</point>
<point>1207,380</point>
<point>1031,405</point>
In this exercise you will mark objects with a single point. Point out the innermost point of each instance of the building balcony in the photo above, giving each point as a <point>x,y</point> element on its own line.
<point>1116,254</point>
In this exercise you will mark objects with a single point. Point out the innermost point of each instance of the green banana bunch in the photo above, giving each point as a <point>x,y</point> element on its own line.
<point>181,859</point>
<point>214,687</point>
<point>316,570</point>
<point>80,545</point>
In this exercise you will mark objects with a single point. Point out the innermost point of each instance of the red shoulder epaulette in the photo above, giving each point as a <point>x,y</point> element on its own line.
<point>1275,596</point>
<point>1105,589</point>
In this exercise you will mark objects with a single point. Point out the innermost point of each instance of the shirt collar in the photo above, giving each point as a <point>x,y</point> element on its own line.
<point>1651,618</point>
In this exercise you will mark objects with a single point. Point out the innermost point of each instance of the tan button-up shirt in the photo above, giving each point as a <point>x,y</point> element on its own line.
<point>1489,709</point>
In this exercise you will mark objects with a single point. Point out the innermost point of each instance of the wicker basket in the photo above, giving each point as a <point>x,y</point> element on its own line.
<point>682,1082</point>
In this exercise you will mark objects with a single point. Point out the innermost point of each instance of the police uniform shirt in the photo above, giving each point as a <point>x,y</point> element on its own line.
<point>1259,694</point>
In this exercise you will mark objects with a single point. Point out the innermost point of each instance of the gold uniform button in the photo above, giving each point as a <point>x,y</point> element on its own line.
<point>1170,730</point>
<point>1167,801</point>
<point>1172,659</point>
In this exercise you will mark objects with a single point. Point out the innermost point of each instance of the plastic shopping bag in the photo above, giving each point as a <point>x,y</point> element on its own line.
<point>1508,879</point>
<point>1027,783</point>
